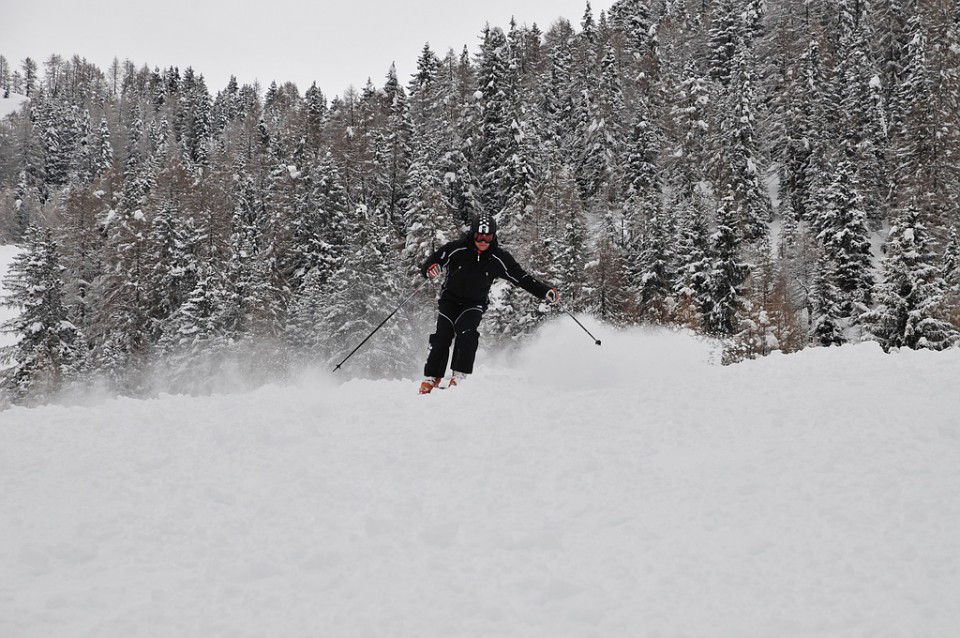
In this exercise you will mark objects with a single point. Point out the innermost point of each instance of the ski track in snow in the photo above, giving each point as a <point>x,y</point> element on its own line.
<point>567,490</point>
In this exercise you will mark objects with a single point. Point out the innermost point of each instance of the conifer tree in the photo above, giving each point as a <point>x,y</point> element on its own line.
<point>910,298</point>
<point>803,151</point>
<point>826,313</point>
<point>686,129</point>
<point>636,20</point>
<point>572,253</point>
<point>654,279</point>
<point>122,326</point>
<point>49,349</point>
<point>560,238</point>
<point>193,113</point>
<point>725,35</point>
<point>728,273</point>
<point>740,164</point>
<point>841,225</point>
<point>692,264</point>
<point>352,303</point>
<point>315,112</point>
<point>428,220</point>
<point>503,164</point>
<point>951,262</point>
<point>861,117</point>
<point>917,153</point>
<point>393,151</point>
<point>195,336</point>
<point>558,99</point>
<point>103,157</point>
<point>255,302</point>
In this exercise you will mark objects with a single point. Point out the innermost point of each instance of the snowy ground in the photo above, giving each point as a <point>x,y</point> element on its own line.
<point>628,490</point>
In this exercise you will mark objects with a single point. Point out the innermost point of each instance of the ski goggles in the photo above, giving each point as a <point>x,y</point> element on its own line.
<point>484,238</point>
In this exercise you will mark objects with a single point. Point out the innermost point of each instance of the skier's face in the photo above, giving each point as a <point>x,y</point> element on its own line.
<point>482,242</point>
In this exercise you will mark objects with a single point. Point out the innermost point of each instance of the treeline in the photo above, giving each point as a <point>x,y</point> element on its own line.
<point>779,173</point>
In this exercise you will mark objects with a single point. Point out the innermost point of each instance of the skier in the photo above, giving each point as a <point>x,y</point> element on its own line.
<point>471,264</point>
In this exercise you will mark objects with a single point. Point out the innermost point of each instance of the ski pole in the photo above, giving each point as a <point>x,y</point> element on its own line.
<point>409,297</point>
<point>595,340</point>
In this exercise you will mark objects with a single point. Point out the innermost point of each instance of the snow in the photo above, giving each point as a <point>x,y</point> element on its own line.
<point>11,104</point>
<point>564,490</point>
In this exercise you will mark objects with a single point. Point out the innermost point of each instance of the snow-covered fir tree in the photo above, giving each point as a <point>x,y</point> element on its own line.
<point>49,350</point>
<point>841,222</point>
<point>910,297</point>
<point>728,273</point>
<point>827,317</point>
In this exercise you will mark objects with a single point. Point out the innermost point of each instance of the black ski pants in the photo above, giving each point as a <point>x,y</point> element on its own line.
<point>457,324</point>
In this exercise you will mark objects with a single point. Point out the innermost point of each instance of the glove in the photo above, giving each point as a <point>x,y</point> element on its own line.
<point>433,271</point>
<point>552,296</point>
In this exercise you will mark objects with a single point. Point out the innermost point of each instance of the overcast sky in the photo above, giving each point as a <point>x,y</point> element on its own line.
<point>335,43</point>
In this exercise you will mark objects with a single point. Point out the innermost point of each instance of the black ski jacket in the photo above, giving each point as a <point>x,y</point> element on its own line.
<point>470,273</point>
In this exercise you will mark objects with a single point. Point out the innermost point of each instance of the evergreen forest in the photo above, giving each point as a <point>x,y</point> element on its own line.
<point>776,174</point>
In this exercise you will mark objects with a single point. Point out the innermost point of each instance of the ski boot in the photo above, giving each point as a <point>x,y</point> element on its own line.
<point>428,384</point>
<point>456,379</point>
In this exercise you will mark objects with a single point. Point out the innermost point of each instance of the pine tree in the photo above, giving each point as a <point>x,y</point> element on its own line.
<point>121,329</point>
<point>856,113</point>
<point>502,158</point>
<point>600,133</point>
<point>827,317</point>
<point>195,337</point>
<point>686,129</point>
<point>428,219</point>
<point>393,151</point>
<point>951,262</point>
<point>255,302</point>
<point>558,99</point>
<point>49,349</point>
<point>803,151</point>
<point>644,188</point>
<point>728,273</point>
<point>654,279</point>
<point>725,33</point>
<point>692,265</point>
<point>841,225</point>
<point>559,236</point>
<point>911,296</point>
<point>103,156</point>
<point>354,300</point>
<point>194,118</point>
<point>740,163</point>
<point>636,19</point>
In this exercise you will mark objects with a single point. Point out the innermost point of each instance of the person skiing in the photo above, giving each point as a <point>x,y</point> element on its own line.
<point>471,264</point>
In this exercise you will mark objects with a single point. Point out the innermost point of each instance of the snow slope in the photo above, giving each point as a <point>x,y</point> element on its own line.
<point>11,104</point>
<point>569,490</point>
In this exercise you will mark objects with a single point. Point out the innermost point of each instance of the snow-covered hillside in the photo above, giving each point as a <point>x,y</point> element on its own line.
<point>629,490</point>
<point>11,104</point>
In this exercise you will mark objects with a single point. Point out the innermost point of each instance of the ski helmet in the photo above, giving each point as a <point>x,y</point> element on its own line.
<point>483,224</point>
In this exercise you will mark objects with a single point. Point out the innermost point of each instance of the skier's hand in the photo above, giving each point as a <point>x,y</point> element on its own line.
<point>433,271</point>
<point>552,296</point>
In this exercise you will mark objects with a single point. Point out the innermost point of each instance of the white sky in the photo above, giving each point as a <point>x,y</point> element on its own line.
<point>334,43</point>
